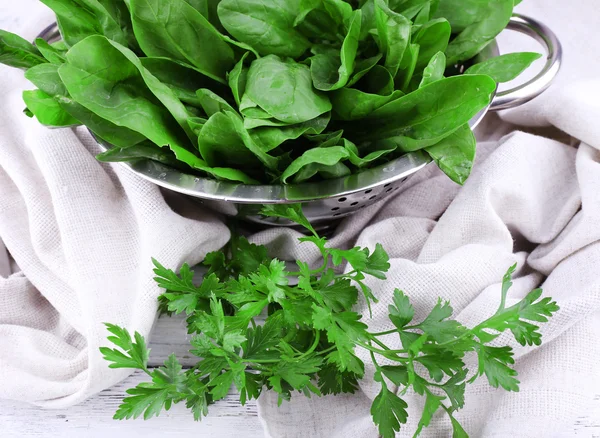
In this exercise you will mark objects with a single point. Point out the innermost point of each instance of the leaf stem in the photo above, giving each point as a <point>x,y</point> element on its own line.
<point>312,347</point>
<point>259,361</point>
<point>333,347</point>
<point>389,332</point>
<point>389,354</point>
<point>381,344</point>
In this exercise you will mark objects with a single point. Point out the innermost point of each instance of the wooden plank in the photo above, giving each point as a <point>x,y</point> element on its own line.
<point>170,336</point>
<point>588,425</point>
<point>227,418</point>
<point>93,419</point>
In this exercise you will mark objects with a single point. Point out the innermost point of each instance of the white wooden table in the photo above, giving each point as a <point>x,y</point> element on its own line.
<point>93,418</point>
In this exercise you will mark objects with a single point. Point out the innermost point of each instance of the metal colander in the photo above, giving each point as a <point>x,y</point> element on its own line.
<point>327,201</point>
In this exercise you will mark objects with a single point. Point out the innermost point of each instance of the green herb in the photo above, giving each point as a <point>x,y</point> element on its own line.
<point>241,90</point>
<point>257,326</point>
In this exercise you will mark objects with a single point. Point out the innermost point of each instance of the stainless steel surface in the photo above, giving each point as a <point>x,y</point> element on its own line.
<point>537,85</point>
<point>334,199</point>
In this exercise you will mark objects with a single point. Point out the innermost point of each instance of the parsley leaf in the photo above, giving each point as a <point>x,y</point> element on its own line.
<point>432,404</point>
<point>334,381</point>
<point>438,326</point>
<point>495,363</point>
<point>134,354</point>
<point>168,386</point>
<point>388,411</point>
<point>292,212</point>
<point>246,257</point>
<point>194,299</point>
<point>401,312</point>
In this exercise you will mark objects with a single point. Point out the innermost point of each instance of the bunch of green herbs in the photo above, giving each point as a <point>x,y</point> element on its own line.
<point>257,326</point>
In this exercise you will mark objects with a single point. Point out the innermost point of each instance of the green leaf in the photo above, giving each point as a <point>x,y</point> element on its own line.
<point>134,353</point>
<point>17,52</point>
<point>110,21</point>
<point>401,312</point>
<point>261,340</point>
<point>434,71</point>
<point>433,37</point>
<point>368,159</point>
<point>352,104</point>
<point>323,156</point>
<point>224,141</point>
<point>357,257</point>
<point>51,53</point>
<point>496,362</point>
<point>455,389</point>
<point>429,114</point>
<point>339,296</point>
<point>46,78</point>
<point>283,88</point>
<point>492,17</point>
<point>246,257</point>
<point>363,67</point>
<point>145,150</point>
<point>332,73</point>
<point>440,363</point>
<point>269,138</point>
<point>181,295</point>
<point>292,212</point>
<point>432,404</point>
<point>74,21</point>
<point>221,385</point>
<point>398,374</point>
<point>89,80</point>
<point>506,285</point>
<point>47,110</point>
<point>388,411</point>
<point>377,263</point>
<point>343,329</point>
<point>323,20</point>
<point>267,26</point>
<point>393,30</point>
<point>455,154</point>
<point>211,324</point>
<point>504,68</point>
<point>232,340</point>
<point>183,79</point>
<point>457,429</point>
<point>438,326</point>
<point>333,381</point>
<point>271,280</point>
<point>408,67</point>
<point>174,29</point>
<point>516,317</point>
<point>237,78</point>
<point>296,374</point>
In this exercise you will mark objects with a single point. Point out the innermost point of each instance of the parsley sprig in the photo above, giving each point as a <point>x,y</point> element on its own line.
<point>255,329</point>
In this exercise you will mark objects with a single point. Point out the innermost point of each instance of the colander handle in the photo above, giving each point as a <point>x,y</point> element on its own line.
<point>524,93</point>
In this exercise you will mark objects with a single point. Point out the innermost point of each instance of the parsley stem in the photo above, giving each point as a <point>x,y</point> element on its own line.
<point>389,354</point>
<point>389,332</point>
<point>333,347</point>
<point>259,361</point>
<point>381,344</point>
<point>455,339</point>
<point>377,367</point>
<point>312,347</point>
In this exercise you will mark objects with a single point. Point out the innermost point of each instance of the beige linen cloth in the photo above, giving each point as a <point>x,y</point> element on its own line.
<point>82,235</point>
